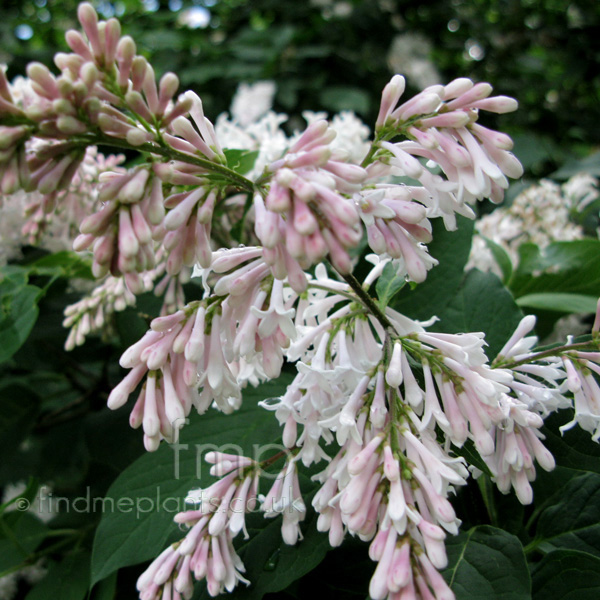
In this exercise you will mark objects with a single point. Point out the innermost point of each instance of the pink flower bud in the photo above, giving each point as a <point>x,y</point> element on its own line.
<point>76,42</point>
<point>456,118</point>
<point>89,21</point>
<point>393,375</point>
<point>150,420</point>
<point>497,104</point>
<point>313,132</point>
<point>83,242</point>
<point>378,589</point>
<point>51,181</point>
<point>401,569</point>
<point>182,127</point>
<point>359,462</point>
<point>133,190</point>
<point>466,99</point>
<point>40,74</point>
<point>138,72</point>
<point>181,214</point>
<point>125,54</point>
<point>391,469</point>
<point>389,98</point>
<point>167,89</point>
<point>290,432</point>
<point>128,242</point>
<point>112,33</point>
<point>457,87</point>
<point>70,125</point>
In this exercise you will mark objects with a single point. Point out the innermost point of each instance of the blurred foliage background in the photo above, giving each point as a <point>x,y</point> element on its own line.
<point>326,55</point>
<point>337,54</point>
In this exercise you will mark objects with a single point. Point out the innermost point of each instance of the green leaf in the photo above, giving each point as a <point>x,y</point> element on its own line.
<point>18,409</point>
<point>563,267</point>
<point>18,312</point>
<point>431,297</point>
<point>481,303</point>
<point>590,164</point>
<point>485,563</point>
<point>139,507</point>
<point>241,161</point>
<point>272,565</point>
<point>106,589</point>
<point>14,274</point>
<point>388,285</point>
<point>338,98</point>
<point>470,454</point>
<point>533,150</point>
<point>20,535</point>
<point>67,580</point>
<point>24,499</point>
<point>574,448</point>
<point>572,521</point>
<point>568,303</point>
<point>64,264</point>
<point>200,72</point>
<point>567,575</point>
<point>501,257</point>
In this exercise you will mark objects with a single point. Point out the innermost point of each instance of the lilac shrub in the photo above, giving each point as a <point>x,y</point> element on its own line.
<point>379,400</point>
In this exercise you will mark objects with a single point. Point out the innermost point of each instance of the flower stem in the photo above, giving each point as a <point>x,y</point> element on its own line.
<point>163,150</point>
<point>546,354</point>
<point>333,291</point>
<point>368,301</point>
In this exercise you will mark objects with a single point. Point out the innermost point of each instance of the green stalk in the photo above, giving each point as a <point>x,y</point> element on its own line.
<point>547,353</point>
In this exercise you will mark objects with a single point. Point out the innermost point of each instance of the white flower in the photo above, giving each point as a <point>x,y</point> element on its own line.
<point>276,315</point>
<point>251,102</point>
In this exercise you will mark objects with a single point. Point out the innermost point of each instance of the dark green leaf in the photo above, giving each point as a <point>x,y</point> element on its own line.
<point>567,575</point>
<point>572,521</point>
<point>20,535</point>
<point>431,297</point>
<point>143,500</point>
<point>470,454</point>
<point>533,149</point>
<point>485,563</point>
<point>568,303</point>
<point>338,98</point>
<point>106,589</point>
<point>200,73</point>
<point>574,448</point>
<point>18,312</point>
<point>14,274</point>
<point>241,161</point>
<point>67,580</point>
<point>501,257</point>
<point>18,409</point>
<point>271,565</point>
<point>65,264</point>
<point>481,303</point>
<point>315,51</point>
<point>388,285</point>
<point>590,164</point>
<point>564,267</point>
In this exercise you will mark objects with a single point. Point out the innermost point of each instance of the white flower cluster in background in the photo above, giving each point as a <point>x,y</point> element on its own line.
<point>9,584</point>
<point>45,509</point>
<point>410,53</point>
<point>541,214</point>
<point>50,222</point>
<point>254,126</point>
